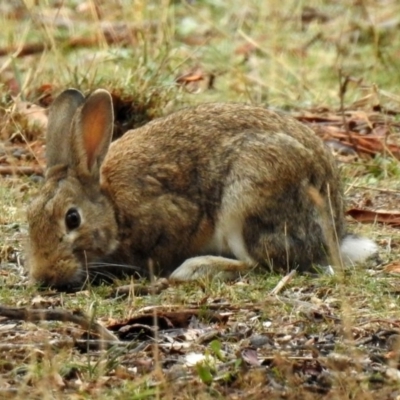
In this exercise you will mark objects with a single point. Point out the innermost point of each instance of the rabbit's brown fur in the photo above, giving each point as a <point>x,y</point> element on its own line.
<point>222,186</point>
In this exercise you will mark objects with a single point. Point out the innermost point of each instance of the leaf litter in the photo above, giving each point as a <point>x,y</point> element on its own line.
<point>223,344</point>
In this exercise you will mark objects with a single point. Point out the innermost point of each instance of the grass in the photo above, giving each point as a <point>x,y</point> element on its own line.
<point>284,54</point>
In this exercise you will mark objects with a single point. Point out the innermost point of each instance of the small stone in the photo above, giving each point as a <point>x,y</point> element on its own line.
<point>258,341</point>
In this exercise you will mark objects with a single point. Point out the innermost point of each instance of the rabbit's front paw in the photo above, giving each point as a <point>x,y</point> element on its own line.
<point>209,267</point>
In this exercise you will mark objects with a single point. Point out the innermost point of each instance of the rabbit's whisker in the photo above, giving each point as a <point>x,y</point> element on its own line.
<point>94,265</point>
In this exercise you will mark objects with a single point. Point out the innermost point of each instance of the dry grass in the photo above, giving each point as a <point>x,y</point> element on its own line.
<point>323,336</point>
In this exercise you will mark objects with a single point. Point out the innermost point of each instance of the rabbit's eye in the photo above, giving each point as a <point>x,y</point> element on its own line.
<point>72,219</point>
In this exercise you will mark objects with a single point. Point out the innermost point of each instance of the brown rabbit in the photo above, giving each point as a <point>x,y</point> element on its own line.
<point>216,187</point>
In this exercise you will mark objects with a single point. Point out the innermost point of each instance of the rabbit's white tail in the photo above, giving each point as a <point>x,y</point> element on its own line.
<point>355,249</point>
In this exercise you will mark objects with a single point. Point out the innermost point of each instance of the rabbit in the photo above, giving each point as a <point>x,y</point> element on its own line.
<point>215,188</point>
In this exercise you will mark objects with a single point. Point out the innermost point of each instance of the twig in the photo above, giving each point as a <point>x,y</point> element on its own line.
<point>20,170</point>
<point>392,322</point>
<point>25,50</point>
<point>382,190</point>
<point>343,83</point>
<point>141,290</point>
<point>76,317</point>
<point>283,282</point>
<point>132,346</point>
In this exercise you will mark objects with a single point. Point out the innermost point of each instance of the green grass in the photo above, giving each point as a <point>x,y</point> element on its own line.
<point>263,52</point>
<point>293,63</point>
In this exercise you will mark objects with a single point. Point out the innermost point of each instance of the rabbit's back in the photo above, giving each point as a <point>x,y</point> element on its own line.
<point>199,147</point>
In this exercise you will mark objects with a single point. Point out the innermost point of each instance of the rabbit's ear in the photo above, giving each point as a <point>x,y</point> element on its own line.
<point>61,115</point>
<point>92,133</point>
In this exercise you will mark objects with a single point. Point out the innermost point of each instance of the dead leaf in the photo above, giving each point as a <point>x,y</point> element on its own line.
<point>123,372</point>
<point>386,217</point>
<point>45,302</point>
<point>250,356</point>
<point>250,46</point>
<point>196,80</point>
<point>393,268</point>
<point>367,132</point>
<point>310,14</point>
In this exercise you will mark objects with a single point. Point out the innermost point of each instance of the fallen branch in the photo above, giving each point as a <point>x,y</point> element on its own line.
<point>76,317</point>
<point>25,50</point>
<point>113,33</point>
<point>20,170</point>
<point>93,344</point>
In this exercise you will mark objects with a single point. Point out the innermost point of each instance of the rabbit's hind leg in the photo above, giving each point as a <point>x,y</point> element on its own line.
<point>282,246</point>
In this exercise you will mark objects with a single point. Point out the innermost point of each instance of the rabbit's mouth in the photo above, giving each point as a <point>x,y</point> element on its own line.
<point>74,271</point>
<point>64,274</point>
